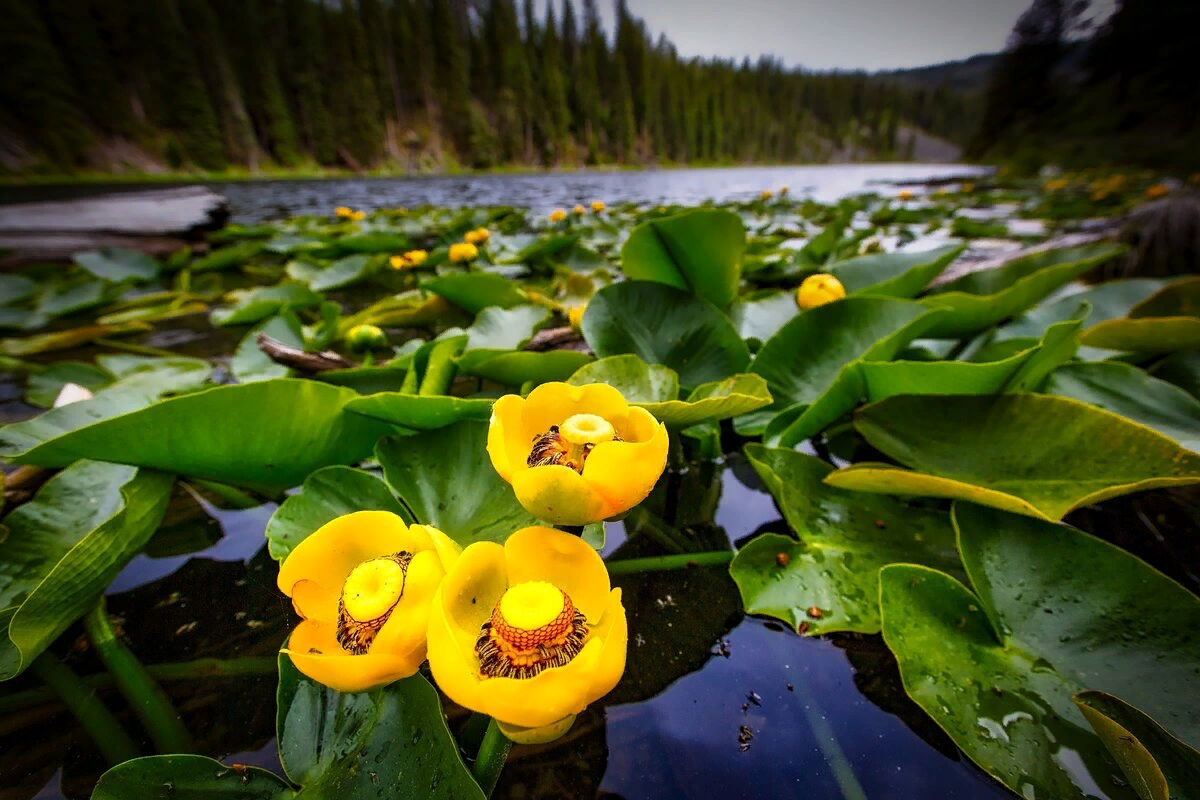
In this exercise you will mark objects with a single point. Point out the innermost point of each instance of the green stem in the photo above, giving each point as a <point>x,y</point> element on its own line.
<point>110,738</point>
<point>662,563</point>
<point>412,380</point>
<point>835,757</point>
<point>230,494</point>
<point>201,668</point>
<point>134,348</point>
<point>147,698</point>
<point>489,761</point>
<point>441,367</point>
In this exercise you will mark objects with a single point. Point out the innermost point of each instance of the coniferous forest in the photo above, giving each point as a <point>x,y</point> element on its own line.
<point>431,85</point>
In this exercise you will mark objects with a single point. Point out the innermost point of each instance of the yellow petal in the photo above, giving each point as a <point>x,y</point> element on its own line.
<point>404,632</point>
<point>509,442</point>
<point>316,601</point>
<point>470,590</point>
<point>560,495</point>
<point>625,472</point>
<point>451,659</point>
<point>339,670</point>
<point>613,630</point>
<point>561,559</point>
<point>551,403</point>
<point>329,554</point>
<point>546,733</point>
<point>446,548</point>
<point>548,696</point>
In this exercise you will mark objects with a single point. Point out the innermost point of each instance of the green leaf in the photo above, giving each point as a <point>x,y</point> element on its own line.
<point>498,328</point>
<point>1148,335</point>
<point>15,288</point>
<point>253,305</point>
<point>1157,765</point>
<point>894,274</point>
<point>226,257</point>
<point>637,381</point>
<point>475,291</point>
<point>66,545</point>
<point>515,368</point>
<point>343,272</point>
<point>447,480</point>
<point>250,364</point>
<point>76,294</point>
<point>1177,299</point>
<point>981,299</point>
<point>1027,453</point>
<point>65,340</point>
<point>1110,300</point>
<point>844,539</point>
<point>709,402</point>
<point>698,251</point>
<point>155,375</point>
<point>326,494</point>
<point>998,669</point>
<point>43,387</point>
<point>188,777</point>
<point>664,325</point>
<point>391,743</point>
<point>267,435</point>
<point>116,264</point>
<point>1182,370</point>
<point>1126,390</point>
<point>421,412</point>
<point>372,242</point>
<point>810,361</point>
<point>760,316</point>
<point>543,249</point>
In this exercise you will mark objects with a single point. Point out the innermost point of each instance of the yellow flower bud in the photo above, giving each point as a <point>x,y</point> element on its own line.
<point>416,257</point>
<point>767,194</point>
<point>463,251</point>
<point>817,290</point>
<point>598,206</point>
<point>365,337</point>
<point>343,212</point>
<point>1157,190</point>
<point>575,316</point>
<point>905,195</point>
<point>558,215</point>
<point>579,211</point>
<point>477,236</point>
<point>399,262</point>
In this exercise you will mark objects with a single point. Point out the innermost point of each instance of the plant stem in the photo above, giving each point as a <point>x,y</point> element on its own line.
<point>661,563</point>
<point>147,698</point>
<point>135,348</point>
<point>230,494</point>
<point>110,738</point>
<point>489,761</point>
<point>441,367</point>
<point>201,668</point>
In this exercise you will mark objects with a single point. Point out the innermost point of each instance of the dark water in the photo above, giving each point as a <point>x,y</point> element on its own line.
<point>251,201</point>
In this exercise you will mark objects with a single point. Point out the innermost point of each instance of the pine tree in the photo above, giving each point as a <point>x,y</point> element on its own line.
<point>556,114</point>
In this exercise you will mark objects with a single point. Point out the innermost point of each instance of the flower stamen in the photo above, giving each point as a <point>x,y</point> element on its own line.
<point>534,626</point>
<point>369,596</point>
<point>570,444</point>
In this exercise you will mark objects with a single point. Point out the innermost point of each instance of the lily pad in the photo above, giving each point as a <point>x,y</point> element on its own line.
<point>475,291</point>
<point>664,325</point>
<point>116,264</point>
<point>982,299</point>
<point>326,494</point>
<point>1146,335</point>
<point>343,272</point>
<point>981,448</point>
<point>234,255</point>
<point>637,381</point>
<point>445,478</point>
<point>827,580</point>
<point>298,426</point>
<point>498,328</point>
<point>421,412</point>
<point>43,387</point>
<point>250,363</point>
<point>998,669</point>
<point>370,242</point>
<point>1126,390</point>
<point>15,288</point>
<point>391,743</point>
<point>1157,765</point>
<point>514,368</point>
<point>66,545</point>
<point>809,361</point>
<point>759,316</point>
<point>698,251</point>
<point>66,297</point>
<point>188,777</point>
<point>65,340</point>
<point>253,305</point>
<point>1111,300</point>
<point>894,274</point>
<point>709,402</point>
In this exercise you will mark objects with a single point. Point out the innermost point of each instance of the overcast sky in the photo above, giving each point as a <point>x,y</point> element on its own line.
<point>828,34</point>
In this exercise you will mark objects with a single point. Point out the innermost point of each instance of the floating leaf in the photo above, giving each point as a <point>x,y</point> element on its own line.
<point>226,257</point>
<point>43,387</point>
<point>828,580</point>
<point>1110,300</point>
<point>391,743</point>
<point>664,325</point>
<point>15,288</point>
<point>1028,453</point>
<point>709,402</point>
<point>66,545</point>
<point>253,305</point>
<point>250,363</point>
<point>760,316</point>
<point>66,297</point>
<point>698,251</point>
<point>1147,335</point>
<point>515,368</point>
<point>998,669</point>
<point>506,328</point>
<point>981,299</point>
<point>343,272</point>
<point>1157,765</point>
<point>188,777</point>
<point>298,426</point>
<point>1182,370</point>
<point>894,274</point>
<point>445,478</point>
<point>475,291</point>
<point>1126,390</point>
<point>421,412</point>
<point>1178,299</point>
<point>116,264</point>
<point>65,340</point>
<point>370,242</point>
<point>326,494</point>
<point>637,381</point>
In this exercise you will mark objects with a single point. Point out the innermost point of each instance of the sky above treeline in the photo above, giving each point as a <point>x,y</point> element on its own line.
<point>830,34</point>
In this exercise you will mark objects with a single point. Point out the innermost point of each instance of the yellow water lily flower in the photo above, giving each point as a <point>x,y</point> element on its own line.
<point>529,632</point>
<point>767,194</point>
<point>783,190</point>
<point>399,262</point>
<point>576,454</point>
<point>819,289</point>
<point>477,236</point>
<point>364,584</point>
<point>598,206</point>
<point>1157,190</point>
<point>575,316</point>
<point>343,212</point>
<point>358,216</point>
<point>463,251</point>
<point>558,215</point>
<point>578,210</point>
<point>413,258</point>
<point>905,195</point>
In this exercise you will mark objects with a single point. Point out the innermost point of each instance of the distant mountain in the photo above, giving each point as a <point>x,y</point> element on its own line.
<point>964,75</point>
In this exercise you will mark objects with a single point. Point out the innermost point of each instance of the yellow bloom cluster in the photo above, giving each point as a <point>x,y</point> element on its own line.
<point>413,258</point>
<point>463,251</point>
<point>529,632</point>
<point>343,212</point>
<point>477,236</point>
<point>558,215</point>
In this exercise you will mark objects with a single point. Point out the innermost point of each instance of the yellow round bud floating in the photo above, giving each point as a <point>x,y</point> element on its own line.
<point>817,290</point>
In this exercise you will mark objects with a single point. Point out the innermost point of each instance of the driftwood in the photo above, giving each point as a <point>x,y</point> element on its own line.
<point>157,222</point>
<point>557,339</point>
<point>296,358</point>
